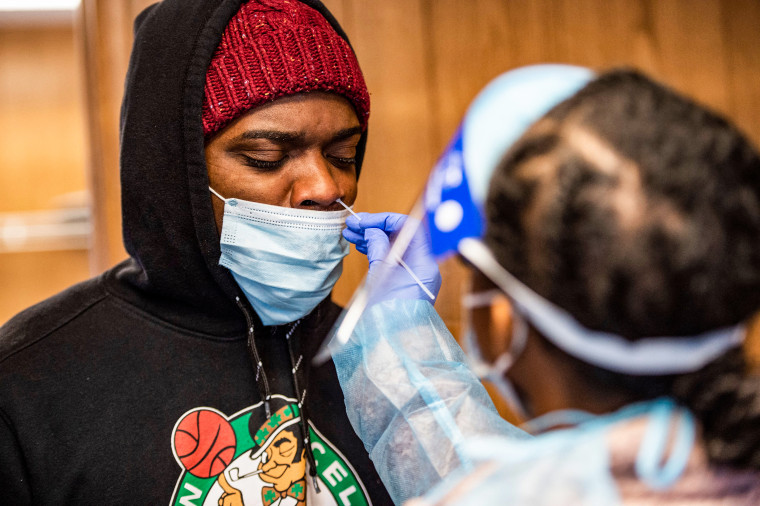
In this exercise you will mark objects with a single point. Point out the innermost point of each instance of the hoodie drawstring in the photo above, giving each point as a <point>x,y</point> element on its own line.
<point>262,384</point>
<point>301,395</point>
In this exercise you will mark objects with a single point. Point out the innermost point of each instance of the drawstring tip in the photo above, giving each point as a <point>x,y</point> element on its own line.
<point>316,484</point>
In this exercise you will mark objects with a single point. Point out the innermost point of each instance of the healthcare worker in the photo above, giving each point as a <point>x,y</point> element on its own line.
<point>613,275</point>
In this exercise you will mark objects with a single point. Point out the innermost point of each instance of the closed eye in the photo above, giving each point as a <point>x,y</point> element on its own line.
<point>264,165</point>
<point>343,163</point>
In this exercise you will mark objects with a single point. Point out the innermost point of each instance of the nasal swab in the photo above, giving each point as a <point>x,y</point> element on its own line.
<point>348,209</point>
<point>398,258</point>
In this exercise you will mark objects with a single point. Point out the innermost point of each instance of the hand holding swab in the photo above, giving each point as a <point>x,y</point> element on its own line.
<point>396,257</point>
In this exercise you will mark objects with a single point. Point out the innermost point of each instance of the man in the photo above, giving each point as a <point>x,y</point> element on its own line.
<point>138,386</point>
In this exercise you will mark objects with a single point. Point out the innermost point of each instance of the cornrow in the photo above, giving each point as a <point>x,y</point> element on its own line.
<point>725,399</point>
<point>661,237</point>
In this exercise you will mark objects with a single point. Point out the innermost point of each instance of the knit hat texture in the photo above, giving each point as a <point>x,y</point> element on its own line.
<point>274,48</point>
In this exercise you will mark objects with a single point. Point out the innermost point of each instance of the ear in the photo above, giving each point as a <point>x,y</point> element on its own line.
<point>546,379</point>
<point>501,325</point>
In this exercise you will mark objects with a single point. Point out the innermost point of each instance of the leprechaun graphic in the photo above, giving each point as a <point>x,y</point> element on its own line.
<point>242,462</point>
<point>280,460</point>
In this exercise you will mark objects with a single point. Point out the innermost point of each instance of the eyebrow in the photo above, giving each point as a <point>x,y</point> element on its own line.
<point>346,133</point>
<point>272,135</point>
<point>293,137</point>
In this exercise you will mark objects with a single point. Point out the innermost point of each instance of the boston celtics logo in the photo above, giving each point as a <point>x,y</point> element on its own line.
<point>240,461</point>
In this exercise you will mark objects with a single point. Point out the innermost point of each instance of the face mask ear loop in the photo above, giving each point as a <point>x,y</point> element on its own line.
<point>498,375</point>
<point>517,342</point>
<point>217,194</point>
<point>654,446</point>
<point>495,373</point>
<point>520,331</point>
<point>476,360</point>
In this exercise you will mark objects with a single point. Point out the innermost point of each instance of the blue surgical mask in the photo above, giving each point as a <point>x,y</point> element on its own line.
<point>285,260</point>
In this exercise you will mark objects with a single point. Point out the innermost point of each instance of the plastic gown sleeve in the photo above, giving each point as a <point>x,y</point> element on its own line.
<point>411,398</point>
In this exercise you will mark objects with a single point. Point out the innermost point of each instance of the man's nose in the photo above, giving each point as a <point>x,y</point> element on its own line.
<point>317,186</point>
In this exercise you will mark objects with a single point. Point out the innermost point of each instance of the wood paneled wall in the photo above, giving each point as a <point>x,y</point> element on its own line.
<point>105,37</point>
<point>40,117</point>
<point>424,61</point>
<point>42,145</point>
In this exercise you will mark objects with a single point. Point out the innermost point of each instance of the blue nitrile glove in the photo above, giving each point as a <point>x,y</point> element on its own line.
<point>372,234</point>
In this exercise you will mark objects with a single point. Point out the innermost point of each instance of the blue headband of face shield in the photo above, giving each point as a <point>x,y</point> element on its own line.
<point>647,356</point>
<point>505,109</point>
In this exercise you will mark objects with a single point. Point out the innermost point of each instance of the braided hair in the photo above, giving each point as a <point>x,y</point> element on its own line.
<point>638,212</point>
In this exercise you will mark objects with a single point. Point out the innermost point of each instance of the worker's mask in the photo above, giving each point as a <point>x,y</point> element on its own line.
<point>285,260</point>
<point>491,322</point>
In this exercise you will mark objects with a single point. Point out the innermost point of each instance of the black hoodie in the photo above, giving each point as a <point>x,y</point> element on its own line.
<point>138,386</point>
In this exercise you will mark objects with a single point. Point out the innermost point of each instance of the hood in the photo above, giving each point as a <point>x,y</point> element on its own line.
<point>167,218</point>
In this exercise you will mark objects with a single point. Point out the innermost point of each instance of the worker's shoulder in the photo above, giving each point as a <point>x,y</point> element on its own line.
<point>39,321</point>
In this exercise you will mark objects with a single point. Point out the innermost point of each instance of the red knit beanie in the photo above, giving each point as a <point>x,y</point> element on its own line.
<point>274,48</point>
